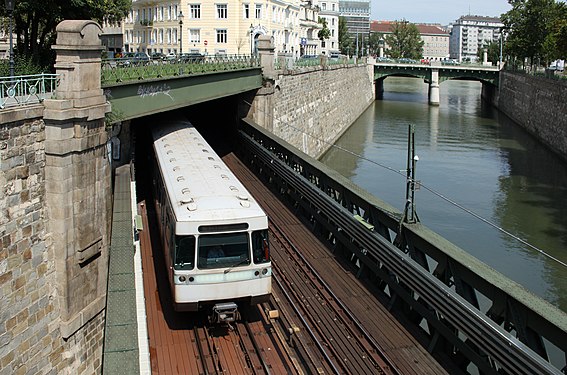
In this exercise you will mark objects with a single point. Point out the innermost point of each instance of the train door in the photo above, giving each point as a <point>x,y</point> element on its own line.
<point>168,247</point>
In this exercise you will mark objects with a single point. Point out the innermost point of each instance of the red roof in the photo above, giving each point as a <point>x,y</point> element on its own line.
<point>385,27</point>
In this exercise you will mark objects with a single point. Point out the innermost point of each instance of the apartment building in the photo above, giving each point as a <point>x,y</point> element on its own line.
<point>435,38</point>
<point>220,27</point>
<point>357,16</point>
<point>329,10</point>
<point>469,33</point>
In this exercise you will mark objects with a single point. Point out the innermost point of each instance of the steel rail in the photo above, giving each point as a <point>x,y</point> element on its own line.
<point>510,353</point>
<point>306,324</point>
<point>336,298</point>
<point>265,366</point>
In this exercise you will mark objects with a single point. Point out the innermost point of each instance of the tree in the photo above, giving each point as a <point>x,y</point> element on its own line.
<point>404,41</point>
<point>324,33</point>
<point>35,22</point>
<point>345,42</point>
<point>558,33</point>
<point>529,26</point>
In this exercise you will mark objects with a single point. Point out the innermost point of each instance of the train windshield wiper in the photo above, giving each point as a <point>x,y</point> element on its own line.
<point>243,261</point>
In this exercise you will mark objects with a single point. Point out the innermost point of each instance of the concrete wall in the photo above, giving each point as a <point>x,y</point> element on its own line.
<point>311,108</point>
<point>539,105</point>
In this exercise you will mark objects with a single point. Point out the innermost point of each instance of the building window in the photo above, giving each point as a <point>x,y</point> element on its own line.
<point>195,36</point>
<point>222,11</point>
<point>195,11</point>
<point>258,11</point>
<point>246,9</point>
<point>222,36</point>
<point>323,6</point>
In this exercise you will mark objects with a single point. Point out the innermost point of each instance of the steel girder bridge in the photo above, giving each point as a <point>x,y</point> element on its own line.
<point>467,310</point>
<point>434,74</point>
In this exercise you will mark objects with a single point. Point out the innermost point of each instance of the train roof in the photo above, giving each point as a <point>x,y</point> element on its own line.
<point>200,186</point>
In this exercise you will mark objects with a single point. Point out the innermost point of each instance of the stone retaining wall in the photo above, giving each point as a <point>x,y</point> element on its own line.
<point>539,105</point>
<point>312,108</point>
<point>30,337</point>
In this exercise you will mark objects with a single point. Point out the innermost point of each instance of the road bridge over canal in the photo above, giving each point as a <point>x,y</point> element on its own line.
<point>433,74</point>
<point>58,246</point>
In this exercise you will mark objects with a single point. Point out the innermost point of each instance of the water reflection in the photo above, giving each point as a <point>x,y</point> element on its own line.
<point>480,160</point>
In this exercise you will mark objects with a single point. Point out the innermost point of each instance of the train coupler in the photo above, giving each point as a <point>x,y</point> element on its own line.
<point>226,312</point>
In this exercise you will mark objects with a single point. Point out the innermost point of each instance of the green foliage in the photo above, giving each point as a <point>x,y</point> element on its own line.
<point>404,41</point>
<point>23,65</point>
<point>324,33</point>
<point>345,42</point>
<point>535,29</point>
<point>35,22</point>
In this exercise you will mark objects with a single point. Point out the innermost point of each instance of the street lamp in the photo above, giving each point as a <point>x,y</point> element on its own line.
<point>180,17</point>
<point>251,30</point>
<point>500,64</point>
<point>10,9</point>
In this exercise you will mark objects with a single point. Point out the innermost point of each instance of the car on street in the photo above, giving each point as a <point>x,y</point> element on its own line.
<point>191,57</point>
<point>157,56</point>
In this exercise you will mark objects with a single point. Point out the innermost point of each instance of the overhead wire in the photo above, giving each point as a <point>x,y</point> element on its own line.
<point>436,193</point>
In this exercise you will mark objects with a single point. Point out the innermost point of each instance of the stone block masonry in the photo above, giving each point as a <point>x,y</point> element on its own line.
<point>537,104</point>
<point>30,337</point>
<point>311,109</point>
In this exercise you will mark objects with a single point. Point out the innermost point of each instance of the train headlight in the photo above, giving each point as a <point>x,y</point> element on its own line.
<point>182,279</point>
<point>264,271</point>
<point>256,273</point>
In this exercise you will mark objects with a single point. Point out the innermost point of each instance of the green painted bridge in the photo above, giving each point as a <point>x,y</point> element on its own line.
<point>434,74</point>
<point>137,90</point>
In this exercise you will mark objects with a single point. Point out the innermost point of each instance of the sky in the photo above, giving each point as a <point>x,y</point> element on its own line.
<point>435,11</point>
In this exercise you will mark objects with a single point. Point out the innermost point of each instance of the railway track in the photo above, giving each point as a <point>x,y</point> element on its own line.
<point>341,341</point>
<point>184,343</point>
<point>314,333</point>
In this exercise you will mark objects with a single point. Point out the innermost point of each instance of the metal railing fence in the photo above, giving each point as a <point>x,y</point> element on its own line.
<point>125,70</point>
<point>30,89</point>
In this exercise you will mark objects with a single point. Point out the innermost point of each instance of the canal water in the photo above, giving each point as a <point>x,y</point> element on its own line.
<point>485,173</point>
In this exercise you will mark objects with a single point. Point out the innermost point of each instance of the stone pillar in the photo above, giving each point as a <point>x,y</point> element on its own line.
<point>77,174</point>
<point>266,52</point>
<point>379,89</point>
<point>434,87</point>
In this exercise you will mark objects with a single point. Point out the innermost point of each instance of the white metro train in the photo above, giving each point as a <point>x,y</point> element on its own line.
<point>214,235</point>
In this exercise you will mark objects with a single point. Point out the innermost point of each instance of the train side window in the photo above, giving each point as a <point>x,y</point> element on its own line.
<point>260,246</point>
<point>184,252</point>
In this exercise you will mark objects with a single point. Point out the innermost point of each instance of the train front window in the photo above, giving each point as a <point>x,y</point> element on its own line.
<point>223,250</point>
<point>260,247</point>
<point>184,253</point>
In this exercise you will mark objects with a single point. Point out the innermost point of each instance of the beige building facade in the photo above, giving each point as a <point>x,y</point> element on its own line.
<point>220,27</point>
<point>435,38</point>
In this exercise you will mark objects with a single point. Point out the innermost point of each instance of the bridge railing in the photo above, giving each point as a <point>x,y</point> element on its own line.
<point>29,89</point>
<point>470,313</point>
<point>290,64</point>
<point>126,70</point>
